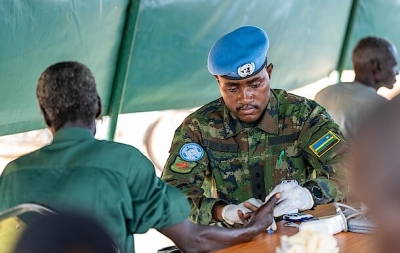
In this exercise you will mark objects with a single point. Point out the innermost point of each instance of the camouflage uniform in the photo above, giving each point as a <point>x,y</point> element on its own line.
<point>242,161</point>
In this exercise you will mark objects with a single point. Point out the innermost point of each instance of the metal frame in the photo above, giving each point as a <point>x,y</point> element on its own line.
<point>346,41</point>
<point>22,208</point>
<point>123,65</point>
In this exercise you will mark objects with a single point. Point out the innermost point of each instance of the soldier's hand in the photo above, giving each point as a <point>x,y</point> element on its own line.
<point>245,217</point>
<point>263,216</point>
<point>238,214</point>
<point>293,197</point>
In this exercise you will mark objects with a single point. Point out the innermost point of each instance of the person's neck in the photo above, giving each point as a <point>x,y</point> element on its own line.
<point>367,82</point>
<point>76,123</point>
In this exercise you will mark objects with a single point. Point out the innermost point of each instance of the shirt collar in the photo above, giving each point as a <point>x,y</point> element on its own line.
<point>367,87</point>
<point>72,134</point>
<point>268,122</point>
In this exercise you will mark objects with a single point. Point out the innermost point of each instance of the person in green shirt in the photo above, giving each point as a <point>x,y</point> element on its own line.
<point>248,143</point>
<point>112,182</point>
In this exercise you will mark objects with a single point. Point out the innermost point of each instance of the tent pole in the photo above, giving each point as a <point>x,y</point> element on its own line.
<point>347,36</point>
<point>123,64</point>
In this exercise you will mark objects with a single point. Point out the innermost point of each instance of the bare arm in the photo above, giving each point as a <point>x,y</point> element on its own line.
<point>190,237</point>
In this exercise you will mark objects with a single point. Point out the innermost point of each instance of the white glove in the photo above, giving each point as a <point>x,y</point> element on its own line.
<point>255,202</point>
<point>229,212</point>
<point>293,197</point>
<point>258,203</point>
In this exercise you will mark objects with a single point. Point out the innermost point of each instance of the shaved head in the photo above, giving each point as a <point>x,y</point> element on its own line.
<point>375,62</point>
<point>369,49</point>
<point>376,170</point>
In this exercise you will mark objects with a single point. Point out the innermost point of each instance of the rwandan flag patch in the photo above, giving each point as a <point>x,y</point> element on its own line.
<point>324,144</point>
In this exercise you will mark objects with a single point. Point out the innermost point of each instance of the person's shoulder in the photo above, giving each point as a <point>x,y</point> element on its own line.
<point>291,105</point>
<point>286,99</point>
<point>209,112</point>
<point>332,88</point>
<point>25,161</point>
<point>117,149</point>
<point>119,158</point>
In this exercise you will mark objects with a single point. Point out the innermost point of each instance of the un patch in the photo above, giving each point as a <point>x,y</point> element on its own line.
<point>191,152</point>
<point>181,166</point>
<point>324,144</point>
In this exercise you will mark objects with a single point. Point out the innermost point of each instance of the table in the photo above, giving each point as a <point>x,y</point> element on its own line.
<point>348,242</point>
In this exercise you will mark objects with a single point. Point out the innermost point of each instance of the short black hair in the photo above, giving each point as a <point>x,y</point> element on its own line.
<point>66,91</point>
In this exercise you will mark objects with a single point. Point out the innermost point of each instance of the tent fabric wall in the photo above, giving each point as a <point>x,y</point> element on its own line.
<point>167,68</point>
<point>169,65</point>
<point>36,34</point>
<point>377,18</point>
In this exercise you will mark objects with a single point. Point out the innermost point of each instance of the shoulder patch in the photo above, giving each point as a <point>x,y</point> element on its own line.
<point>324,144</point>
<point>181,166</point>
<point>191,152</point>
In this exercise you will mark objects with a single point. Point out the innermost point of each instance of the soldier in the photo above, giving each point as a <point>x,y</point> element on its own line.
<point>254,138</point>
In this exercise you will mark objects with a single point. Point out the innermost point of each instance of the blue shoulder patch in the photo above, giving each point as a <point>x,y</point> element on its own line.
<point>191,152</point>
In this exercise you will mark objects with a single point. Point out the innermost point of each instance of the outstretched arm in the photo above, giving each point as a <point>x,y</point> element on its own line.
<point>190,237</point>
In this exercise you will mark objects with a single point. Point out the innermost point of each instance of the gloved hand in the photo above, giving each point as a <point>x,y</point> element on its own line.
<point>229,212</point>
<point>257,203</point>
<point>293,197</point>
<point>230,215</point>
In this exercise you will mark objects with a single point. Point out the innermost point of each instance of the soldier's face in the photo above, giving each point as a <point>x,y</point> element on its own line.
<point>247,98</point>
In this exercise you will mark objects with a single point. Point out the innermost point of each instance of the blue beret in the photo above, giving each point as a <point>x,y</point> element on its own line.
<point>239,54</point>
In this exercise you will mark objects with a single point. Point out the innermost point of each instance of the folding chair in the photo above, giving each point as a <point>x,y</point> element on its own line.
<point>15,220</point>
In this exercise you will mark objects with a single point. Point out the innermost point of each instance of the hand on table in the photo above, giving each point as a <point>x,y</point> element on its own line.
<point>252,205</point>
<point>236,214</point>
<point>263,215</point>
<point>293,197</point>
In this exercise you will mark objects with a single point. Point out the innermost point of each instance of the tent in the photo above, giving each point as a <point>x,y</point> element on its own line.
<point>151,54</point>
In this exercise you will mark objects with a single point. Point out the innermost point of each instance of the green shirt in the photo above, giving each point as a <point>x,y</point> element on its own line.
<point>294,139</point>
<point>114,183</point>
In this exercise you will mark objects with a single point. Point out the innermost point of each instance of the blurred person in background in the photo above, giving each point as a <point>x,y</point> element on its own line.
<point>375,64</point>
<point>113,183</point>
<point>375,173</point>
<point>243,147</point>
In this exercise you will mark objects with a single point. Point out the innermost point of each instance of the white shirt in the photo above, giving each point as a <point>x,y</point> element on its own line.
<point>348,104</point>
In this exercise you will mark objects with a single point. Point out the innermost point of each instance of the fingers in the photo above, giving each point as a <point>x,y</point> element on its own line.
<point>273,200</point>
<point>249,206</point>
<point>244,217</point>
<point>272,193</point>
<point>283,188</point>
<point>284,207</point>
<point>272,226</point>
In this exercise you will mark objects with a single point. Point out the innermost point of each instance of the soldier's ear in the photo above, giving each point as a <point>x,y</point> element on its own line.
<point>269,68</point>
<point>216,78</point>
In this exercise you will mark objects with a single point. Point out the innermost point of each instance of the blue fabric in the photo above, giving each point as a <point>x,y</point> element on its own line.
<point>239,54</point>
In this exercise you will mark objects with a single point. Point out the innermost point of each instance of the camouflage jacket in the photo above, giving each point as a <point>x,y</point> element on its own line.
<point>295,138</point>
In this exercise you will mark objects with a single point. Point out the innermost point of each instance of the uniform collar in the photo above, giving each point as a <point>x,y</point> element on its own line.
<point>72,134</point>
<point>268,122</point>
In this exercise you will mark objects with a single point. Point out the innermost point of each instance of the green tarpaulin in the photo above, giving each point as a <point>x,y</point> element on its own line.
<point>151,54</point>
